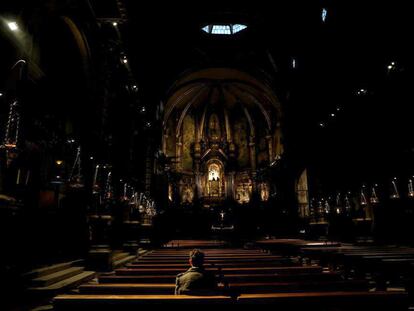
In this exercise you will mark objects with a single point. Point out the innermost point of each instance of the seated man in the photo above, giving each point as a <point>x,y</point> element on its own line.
<point>196,280</point>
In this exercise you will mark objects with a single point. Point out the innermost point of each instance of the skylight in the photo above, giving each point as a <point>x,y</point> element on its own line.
<point>324,15</point>
<point>238,27</point>
<point>223,29</point>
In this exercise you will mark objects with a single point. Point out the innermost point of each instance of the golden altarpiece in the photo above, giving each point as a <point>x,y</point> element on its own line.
<point>220,126</point>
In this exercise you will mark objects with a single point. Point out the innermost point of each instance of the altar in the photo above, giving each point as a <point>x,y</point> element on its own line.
<point>220,138</point>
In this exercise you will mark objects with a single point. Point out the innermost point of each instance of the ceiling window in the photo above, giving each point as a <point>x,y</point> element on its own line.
<point>223,29</point>
<point>324,15</point>
<point>238,27</point>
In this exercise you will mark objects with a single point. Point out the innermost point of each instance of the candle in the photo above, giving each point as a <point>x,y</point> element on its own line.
<point>338,199</point>
<point>374,197</point>
<point>27,177</point>
<point>410,189</point>
<point>95,176</point>
<point>363,198</point>
<point>395,195</point>
<point>347,204</point>
<point>18,177</point>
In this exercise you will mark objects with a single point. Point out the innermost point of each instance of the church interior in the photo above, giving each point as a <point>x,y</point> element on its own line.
<point>272,135</point>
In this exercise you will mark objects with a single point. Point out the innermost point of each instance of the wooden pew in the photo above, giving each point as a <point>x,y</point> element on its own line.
<point>232,289</point>
<point>180,244</point>
<point>210,257</point>
<point>300,286</point>
<point>385,264</point>
<point>207,252</point>
<point>230,278</point>
<point>138,279</point>
<point>130,302</point>
<point>360,259</point>
<point>238,270</point>
<point>128,289</point>
<point>293,246</point>
<point>372,262</point>
<point>395,271</point>
<point>252,276</point>
<point>209,264</point>
<point>210,260</point>
<point>338,301</point>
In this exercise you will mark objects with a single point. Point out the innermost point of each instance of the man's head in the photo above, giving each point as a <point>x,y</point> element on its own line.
<point>196,258</point>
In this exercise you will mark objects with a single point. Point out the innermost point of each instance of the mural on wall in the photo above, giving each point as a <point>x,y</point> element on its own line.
<point>188,140</point>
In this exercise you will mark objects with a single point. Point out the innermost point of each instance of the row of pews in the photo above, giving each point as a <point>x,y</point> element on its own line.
<point>246,276</point>
<point>387,266</point>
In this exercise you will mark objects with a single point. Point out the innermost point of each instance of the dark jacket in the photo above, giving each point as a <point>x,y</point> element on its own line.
<point>195,281</point>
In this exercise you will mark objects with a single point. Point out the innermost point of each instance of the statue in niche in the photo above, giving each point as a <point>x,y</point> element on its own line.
<point>170,192</point>
<point>187,195</point>
<point>243,193</point>
<point>214,180</point>
<point>264,192</point>
<point>214,127</point>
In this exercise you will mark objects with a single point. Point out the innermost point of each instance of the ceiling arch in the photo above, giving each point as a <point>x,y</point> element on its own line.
<point>222,86</point>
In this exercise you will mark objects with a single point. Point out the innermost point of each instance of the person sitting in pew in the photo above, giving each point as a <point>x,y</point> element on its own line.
<point>196,280</point>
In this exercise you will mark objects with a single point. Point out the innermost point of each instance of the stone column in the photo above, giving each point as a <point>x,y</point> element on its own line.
<point>197,155</point>
<point>198,184</point>
<point>252,146</point>
<point>178,151</point>
<point>254,186</point>
<point>164,144</point>
<point>278,140</point>
<point>230,186</point>
<point>270,147</point>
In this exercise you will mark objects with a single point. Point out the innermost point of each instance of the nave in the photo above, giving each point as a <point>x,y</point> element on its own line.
<point>274,136</point>
<point>284,273</point>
